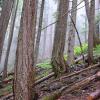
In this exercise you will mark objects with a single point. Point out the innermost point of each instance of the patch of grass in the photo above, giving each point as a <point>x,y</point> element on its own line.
<point>97,50</point>
<point>77,49</point>
<point>43,74</point>
<point>45,64</point>
<point>9,88</point>
<point>65,57</point>
<point>6,90</point>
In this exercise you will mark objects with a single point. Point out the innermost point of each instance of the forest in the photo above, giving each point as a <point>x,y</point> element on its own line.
<point>49,49</point>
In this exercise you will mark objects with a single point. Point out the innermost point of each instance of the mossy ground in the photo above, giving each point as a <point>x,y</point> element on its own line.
<point>6,90</point>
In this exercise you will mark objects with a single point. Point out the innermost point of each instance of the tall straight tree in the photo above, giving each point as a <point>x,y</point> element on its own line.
<point>57,59</point>
<point>12,23</point>
<point>45,23</point>
<point>4,20</point>
<point>71,35</point>
<point>98,22</point>
<point>24,71</point>
<point>39,32</point>
<point>90,11</point>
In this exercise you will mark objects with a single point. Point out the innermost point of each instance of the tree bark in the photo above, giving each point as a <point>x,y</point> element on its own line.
<point>13,17</point>
<point>90,11</point>
<point>4,20</point>
<point>71,35</point>
<point>45,31</point>
<point>57,59</point>
<point>24,72</point>
<point>39,33</point>
<point>91,32</point>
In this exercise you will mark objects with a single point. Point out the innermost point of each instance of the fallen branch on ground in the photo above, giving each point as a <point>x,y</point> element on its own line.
<point>52,74</point>
<point>77,85</point>
<point>44,78</point>
<point>83,70</point>
<point>78,72</point>
<point>80,58</point>
<point>7,97</point>
<point>95,95</point>
<point>48,76</point>
<point>82,83</point>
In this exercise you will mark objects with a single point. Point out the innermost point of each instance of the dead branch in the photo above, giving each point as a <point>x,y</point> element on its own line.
<point>83,70</point>
<point>7,97</point>
<point>78,72</point>
<point>82,83</point>
<point>44,78</point>
<point>77,85</point>
<point>80,58</point>
<point>52,74</point>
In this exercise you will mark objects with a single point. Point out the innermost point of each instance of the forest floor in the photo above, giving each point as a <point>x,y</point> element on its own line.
<point>50,89</point>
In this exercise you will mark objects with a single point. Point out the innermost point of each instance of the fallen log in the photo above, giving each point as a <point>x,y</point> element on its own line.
<point>70,75</point>
<point>52,74</point>
<point>77,85</point>
<point>80,58</point>
<point>7,97</point>
<point>77,72</point>
<point>47,77</point>
<point>95,95</point>
<point>44,78</point>
<point>82,83</point>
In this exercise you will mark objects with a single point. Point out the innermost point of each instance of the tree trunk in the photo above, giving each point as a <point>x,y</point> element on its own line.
<point>71,36</point>
<point>97,30</point>
<point>96,36</point>
<point>98,24</point>
<point>91,31</point>
<point>10,37</point>
<point>57,59</point>
<point>45,23</point>
<point>24,73</point>
<point>39,32</point>
<point>45,36</point>
<point>4,20</point>
<point>86,30</point>
<point>90,11</point>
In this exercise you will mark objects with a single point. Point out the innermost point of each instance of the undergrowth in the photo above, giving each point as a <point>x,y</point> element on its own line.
<point>97,50</point>
<point>77,52</point>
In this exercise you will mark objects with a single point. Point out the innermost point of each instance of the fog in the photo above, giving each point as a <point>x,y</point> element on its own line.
<point>46,42</point>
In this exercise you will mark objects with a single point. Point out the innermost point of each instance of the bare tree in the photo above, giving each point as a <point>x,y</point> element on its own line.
<point>24,71</point>
<point>98,22</point>
<point>45,34</point>
<point>57,59</point>
<point>4,20</point>
<point>71,35</point>
<point>90,11</point>
<point>12,23</point>
<point>39,32</point>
